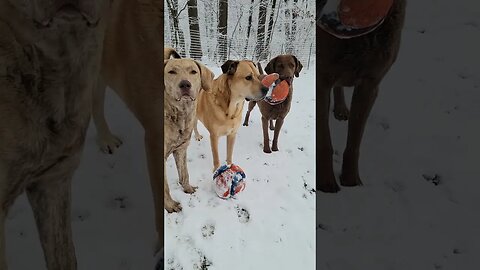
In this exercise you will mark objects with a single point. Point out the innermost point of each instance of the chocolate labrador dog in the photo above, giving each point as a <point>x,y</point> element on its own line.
<point>360,60</point>
<point>287,67</point>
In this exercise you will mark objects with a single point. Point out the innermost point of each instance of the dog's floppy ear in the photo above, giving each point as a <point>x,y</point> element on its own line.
<point>206,75</point>
<point>230,67</point>
<point>298,66</point>
<point>270,68</point>
<point>169,52</point>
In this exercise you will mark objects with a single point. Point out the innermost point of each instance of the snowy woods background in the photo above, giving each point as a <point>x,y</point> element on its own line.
<point>217,30</point>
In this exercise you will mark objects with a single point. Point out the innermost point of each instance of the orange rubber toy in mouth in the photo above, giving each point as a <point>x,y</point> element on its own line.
<point>277,90</point>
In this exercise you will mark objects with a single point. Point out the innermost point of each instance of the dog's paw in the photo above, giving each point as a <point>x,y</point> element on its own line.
<point>245,124</point>
<point>267,150</point>
<point>274,148</point>
<point>108,143</point>
<point>189,189</point>
<point>341,113</point>
<point>198,137</point>
<point>328,187</point>
<point>350,180</point>
<point>172,206</point>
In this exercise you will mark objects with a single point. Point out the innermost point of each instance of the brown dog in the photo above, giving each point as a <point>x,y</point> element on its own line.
<point>132,65</point>
<point>49,56</point>
<point>220,110</point>
<point>361,62</point>
<point>287,67</point>
<point>183,80</point>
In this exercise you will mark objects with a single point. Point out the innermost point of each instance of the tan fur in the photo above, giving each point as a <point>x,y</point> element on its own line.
<point>45,100</point>
<point>220,110</point>
<point>179,117</point>
<point>132,66</point>
<point>169,52</point>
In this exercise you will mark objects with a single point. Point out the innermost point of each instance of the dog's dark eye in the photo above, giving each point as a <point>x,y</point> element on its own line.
<point>172,72</point>
<point>249,78</point>
<point>193,72</point>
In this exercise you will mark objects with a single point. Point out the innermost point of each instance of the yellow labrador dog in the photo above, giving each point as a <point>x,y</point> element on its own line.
<point>132,65</point>
<point>49,55</point>
<point>220,110</point>
<point>183,80</point>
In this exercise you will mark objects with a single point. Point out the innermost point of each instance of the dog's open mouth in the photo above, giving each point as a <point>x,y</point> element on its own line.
<point>288,80</point>
<point>186,97</point>
<point>70,12</point>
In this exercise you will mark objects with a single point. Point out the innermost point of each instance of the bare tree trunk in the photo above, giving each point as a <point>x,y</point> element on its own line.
<point>287,28</point>
<point>171,16</point>
<point>270,26</point>
<point>222,30</point>
<point>249,27</point>
<point>293,32</point>
<point>179,38</point>
<point>262,17</point>
<point>195,41</point>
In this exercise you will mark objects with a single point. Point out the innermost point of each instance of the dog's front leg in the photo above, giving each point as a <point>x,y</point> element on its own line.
<point>251,105</point>
<point>169,204</point>
<point>105,139</point>
<point>340,110</point>
<point>363,99</point>
<point>230,144</point>
<point>326,179</point>
<point>154,152</point>
<point>278,127</point>
<point>214,146</point>
<point>180,156</point>
<point>266,139</point>
<point>51,203</point>
<point>198,137</point>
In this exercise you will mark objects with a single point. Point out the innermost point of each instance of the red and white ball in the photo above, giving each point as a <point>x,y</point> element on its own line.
<point>229,180</point>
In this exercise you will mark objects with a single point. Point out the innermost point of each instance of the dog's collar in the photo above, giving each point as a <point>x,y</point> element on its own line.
<point>274,103</point>
<point>330,21</point>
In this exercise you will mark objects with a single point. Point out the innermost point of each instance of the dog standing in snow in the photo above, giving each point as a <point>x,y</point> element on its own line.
<point>49,57</point>
<point>357,43</point>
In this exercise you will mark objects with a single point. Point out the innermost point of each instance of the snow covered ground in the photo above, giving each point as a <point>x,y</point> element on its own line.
<point>424,124</point>
<point>271,225</point>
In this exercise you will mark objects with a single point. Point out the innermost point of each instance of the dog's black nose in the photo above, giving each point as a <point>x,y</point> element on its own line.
<point>264,90</point>
<point>185,85</point>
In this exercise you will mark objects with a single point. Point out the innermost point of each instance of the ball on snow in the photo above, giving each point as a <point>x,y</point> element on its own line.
<point>229,180</point>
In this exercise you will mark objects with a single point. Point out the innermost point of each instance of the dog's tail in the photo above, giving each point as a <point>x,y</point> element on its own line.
<point>260,69</point>
<point>169,52</point>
